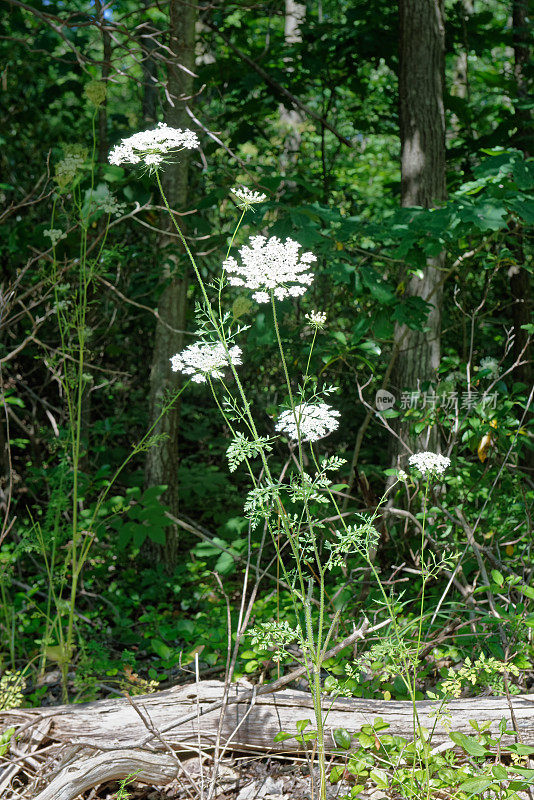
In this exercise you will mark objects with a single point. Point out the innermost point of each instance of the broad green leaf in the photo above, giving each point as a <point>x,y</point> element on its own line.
<point>281,737</point>
<point>161,649</point>
<point>468,744</point>
<point>336,773</point>
<point>380,777</point>
<point>499,772</point>
<point>342,738</point>
<point>476,785</point>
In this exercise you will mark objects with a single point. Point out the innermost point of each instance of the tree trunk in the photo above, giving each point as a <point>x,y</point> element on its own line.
<point>422,132</point>
<point>103,147</point>
<point>150,91</point>
<point>521,278</point>
<point>162,461</point>
<point>291,119</point>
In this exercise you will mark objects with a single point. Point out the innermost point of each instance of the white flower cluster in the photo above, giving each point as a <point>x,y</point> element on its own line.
<point>271,265</point>
<point>429,463</point>
<point>150,147</point>
<point>313,421</point>
<point>316,318</point>
<point>55,235</point>
<point>205,359</point>
<point>246,198</point>
<point>492,365</point>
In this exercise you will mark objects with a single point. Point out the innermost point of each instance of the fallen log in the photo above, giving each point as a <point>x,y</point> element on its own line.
<point>187,717</point>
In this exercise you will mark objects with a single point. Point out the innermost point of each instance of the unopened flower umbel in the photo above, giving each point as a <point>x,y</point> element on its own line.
<point>429,463</point>
<point>151,147</point>
<point>271,265</point>
<point>247,198</point>
<point>205,359</point>
<point>315,420</point>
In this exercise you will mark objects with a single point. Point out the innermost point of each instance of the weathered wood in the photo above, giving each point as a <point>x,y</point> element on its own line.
<point>114,724</point>
<point>84,774</point>
<point>108,740</point>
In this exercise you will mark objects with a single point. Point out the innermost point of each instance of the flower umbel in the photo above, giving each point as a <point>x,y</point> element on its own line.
<point>491,365</point>
<point>55,235</point>
<point>151,147</point>
<point>247,198</point>
<point>271,265</point>
<point>316,319</point>
<point>429,463</point>
<point>205,359</point>
<point>312,420</point>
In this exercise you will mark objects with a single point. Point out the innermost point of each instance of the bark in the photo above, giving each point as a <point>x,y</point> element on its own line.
<point>422,132</point>
<point>162,461</point>
<point>521,278</point>
<point>150,91</point>
<point>100,733</point>
<point>103,147</point>
<point>291,119</point>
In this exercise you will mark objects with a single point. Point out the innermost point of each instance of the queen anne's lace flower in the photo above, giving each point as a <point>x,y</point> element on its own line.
<point>315,420</point>
<point>316,318</point>
<point>205,359</point>
<point>271,265</point>
<point>492,365</point>
<point>55,235</point>
<point>246,198</point>
<point>429,463</point>
<point>150,147</point>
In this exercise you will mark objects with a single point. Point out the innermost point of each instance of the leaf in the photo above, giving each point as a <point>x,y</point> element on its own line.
<point>336,773</point>
<point>523,174</point>
<point>5,736</point>
<point>157,535</point>
<point>56,653</point>
<point>476,785</point>
<point>499,772</point>
<point>281,737</point>
<point>497,577</point>
<point>161,649</point>
<point>526,773</point>
<point>342,738</point>
<point>528,591</point>
<point>302,724</point>
<point>468,744</point>
<point>225,564</point>
<point>379,776</point>
<point>483,447</point>
<point>524,209</point>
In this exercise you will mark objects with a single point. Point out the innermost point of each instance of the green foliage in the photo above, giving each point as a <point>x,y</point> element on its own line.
<point>392,763</point>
